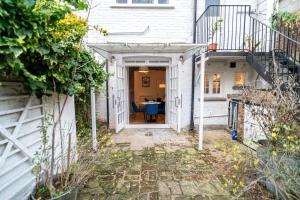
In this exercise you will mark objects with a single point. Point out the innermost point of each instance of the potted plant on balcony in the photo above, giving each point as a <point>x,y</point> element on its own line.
<point>248,44</point>
<point>215,27</point>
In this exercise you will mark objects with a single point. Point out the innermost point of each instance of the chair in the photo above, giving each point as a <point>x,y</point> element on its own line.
<point>146,100</point>
<point>151,109</point>
<point>135,109</point>
<point>162,108</point>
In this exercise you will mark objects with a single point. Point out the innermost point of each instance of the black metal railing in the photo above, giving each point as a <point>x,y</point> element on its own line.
<point>230,32</point>
<point>231,28</point>
<point>272,48</point>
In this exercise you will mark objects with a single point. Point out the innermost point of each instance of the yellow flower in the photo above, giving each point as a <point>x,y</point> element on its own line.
<point>225,184</point>
<point>242,184</point>
<point>234,191</point>
<point>274,135</point>
<point>256,162</point>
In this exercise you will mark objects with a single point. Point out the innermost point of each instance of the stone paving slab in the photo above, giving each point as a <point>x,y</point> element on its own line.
<point>160,165</point>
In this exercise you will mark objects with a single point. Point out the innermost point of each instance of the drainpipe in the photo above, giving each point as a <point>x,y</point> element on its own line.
<point>192,124</point>
<point>107,96</point>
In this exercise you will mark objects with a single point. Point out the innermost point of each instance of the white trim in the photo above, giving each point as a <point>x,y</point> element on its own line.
<point>201,119</point>
<point>128,125</point>
<point>93,113</point>
<point>155,4</point>
<point>148,6</point>
<point>154,126</point>
<point>141,32</point>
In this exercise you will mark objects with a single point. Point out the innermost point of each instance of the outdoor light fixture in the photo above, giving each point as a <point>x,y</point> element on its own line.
<point>181,59</point>
<point>162,85</point>
<point>112,59</point>
<point>143,69</point>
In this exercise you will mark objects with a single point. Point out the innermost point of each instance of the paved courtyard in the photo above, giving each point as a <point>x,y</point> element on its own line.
<point>157,164</point>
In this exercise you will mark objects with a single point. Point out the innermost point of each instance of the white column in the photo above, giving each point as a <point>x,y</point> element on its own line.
<point>93,113</point>
<point>202,72</point>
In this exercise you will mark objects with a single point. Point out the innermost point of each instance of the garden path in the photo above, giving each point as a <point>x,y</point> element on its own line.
<point>157,164</point>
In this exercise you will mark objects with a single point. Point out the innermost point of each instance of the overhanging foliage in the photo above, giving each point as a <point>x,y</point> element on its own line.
<point>41,44</point>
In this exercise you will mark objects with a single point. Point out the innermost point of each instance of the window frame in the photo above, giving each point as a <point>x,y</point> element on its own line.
<point>155,3</point>
<point>216,91</point>
<point>210,85</point>
<point>206,84</point>
<point>234,78</point>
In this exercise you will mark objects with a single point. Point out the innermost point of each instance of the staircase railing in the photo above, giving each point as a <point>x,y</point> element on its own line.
<point>232,29</point>
<point>231,33</point>
<point>269,46</point>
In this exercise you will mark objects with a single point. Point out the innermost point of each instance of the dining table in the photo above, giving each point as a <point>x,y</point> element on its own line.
<point>147,103</point>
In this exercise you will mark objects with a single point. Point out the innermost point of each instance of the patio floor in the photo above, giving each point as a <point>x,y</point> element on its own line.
<point>158,164</point>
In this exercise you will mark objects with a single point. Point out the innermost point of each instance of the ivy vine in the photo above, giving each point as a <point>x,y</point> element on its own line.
<point>40,43</point>
<point>287,19</point>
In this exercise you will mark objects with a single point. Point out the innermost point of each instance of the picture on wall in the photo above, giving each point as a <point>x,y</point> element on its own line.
<point>145,81</point>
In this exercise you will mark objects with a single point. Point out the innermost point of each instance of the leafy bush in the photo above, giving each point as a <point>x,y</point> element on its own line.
<point>41,44</point>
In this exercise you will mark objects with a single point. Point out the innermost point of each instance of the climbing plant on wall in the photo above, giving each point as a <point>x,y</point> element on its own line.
<point>41,44</point>
<point>286,19</point>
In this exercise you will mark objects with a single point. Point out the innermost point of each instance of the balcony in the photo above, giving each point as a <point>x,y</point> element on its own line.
<point>230,30</point>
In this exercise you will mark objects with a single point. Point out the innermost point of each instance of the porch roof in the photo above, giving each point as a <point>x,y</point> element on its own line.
<point>112,48</point>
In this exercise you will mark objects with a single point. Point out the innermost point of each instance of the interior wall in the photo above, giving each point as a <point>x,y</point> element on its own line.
<point>153,91</point>
<point>131,83</point>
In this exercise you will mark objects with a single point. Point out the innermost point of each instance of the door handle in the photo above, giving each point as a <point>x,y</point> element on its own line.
<point>113,101</point>
<point>177,101</point>
<point>119,102</point>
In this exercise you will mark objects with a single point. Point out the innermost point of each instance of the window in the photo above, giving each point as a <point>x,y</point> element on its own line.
<point>143,1</point>
<point>206,84</point>
<point>239,78</point>
<point>154,2</point>
<point>163,1</point>
<point>216,84</point>
<point>214,10</point>
<point>122,1</point>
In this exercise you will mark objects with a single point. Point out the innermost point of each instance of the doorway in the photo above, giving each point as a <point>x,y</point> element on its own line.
<point>147,95</point>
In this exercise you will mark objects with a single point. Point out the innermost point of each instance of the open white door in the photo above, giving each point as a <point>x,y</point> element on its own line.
<point>174,97</point>
<point>120,97</point>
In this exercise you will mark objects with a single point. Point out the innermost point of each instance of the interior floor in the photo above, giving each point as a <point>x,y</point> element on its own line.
<point>138,118</point>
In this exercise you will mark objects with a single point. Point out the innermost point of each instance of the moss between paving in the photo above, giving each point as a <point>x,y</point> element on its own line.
<point>160,172</point>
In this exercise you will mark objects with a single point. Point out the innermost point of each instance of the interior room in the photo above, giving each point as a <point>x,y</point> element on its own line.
<point>147,93</point>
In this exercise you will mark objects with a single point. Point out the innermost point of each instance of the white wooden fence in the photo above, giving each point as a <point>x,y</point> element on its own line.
<point>20,120</point>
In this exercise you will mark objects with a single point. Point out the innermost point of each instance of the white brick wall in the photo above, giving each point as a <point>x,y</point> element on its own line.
<point>172,24</point>
<point>289,5</point>
<point>165,25</point>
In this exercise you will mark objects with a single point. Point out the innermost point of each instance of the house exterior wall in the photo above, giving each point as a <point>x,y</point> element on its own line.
<point>173,23</point>
<point>216,106</point>
<point>101,111</point>
<point>289,5</point>
<point>253,131</point>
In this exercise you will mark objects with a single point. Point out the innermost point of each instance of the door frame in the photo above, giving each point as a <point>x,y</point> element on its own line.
<point>166,124</point>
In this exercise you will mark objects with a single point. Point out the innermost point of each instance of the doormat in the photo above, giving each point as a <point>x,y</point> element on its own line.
<point>149,134</point>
